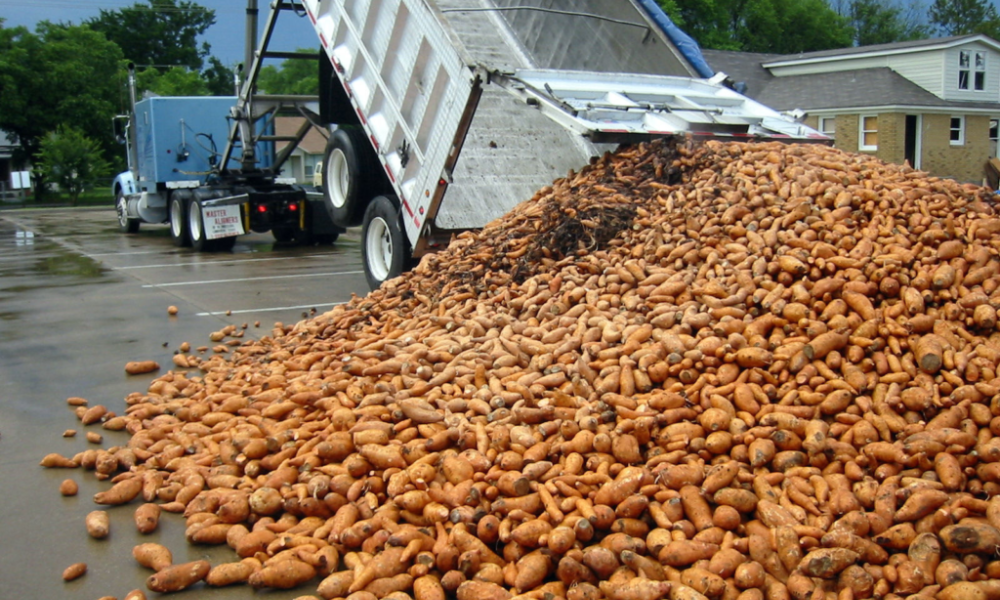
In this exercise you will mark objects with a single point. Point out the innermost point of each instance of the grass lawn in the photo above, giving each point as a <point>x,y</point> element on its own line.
<point>100,196</point>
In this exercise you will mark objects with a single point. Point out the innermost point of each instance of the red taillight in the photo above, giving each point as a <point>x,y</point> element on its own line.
<point>262,209</point>
<point>293,207</point>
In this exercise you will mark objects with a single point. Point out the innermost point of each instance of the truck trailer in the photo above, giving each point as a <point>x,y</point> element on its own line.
<point>442,115</point>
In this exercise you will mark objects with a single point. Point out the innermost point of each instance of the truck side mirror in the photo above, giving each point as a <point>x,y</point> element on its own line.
<point>121,128</point>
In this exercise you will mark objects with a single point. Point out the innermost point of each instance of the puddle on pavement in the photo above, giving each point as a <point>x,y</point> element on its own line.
<point>69,264</point>
<point>27,254</point>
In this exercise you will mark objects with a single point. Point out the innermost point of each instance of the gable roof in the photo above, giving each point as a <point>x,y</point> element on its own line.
<point>313,143</point>
<point>832,90</point>
<point>879,86</point>
<point>879,50</point>
<point>745,67</point>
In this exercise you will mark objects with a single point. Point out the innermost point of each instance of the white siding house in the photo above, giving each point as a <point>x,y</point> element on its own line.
<point>933,103</point>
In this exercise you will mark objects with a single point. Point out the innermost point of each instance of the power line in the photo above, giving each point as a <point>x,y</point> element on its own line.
<point>113,7</point>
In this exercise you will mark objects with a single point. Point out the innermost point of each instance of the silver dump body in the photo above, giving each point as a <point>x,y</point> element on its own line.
<point>473,105</point>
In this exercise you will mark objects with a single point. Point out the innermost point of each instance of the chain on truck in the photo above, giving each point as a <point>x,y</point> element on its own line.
<point>440,116</point>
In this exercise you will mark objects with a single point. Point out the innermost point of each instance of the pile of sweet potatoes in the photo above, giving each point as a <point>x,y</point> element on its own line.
<point>719,371</point>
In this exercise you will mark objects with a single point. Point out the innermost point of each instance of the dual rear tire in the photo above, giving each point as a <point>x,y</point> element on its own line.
<point>187,228</point>
<point>178,209</point>
<point>356,192</point>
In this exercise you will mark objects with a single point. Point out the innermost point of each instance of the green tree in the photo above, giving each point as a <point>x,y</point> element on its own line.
<point>219,78</point>
<point>882,22</point>
<point>774,26</point>
<point>962,17</point>
<point>673,11</point>
<point>72,160</point>
<point>59,75</point>
<point>178,81</point>
<point>293,76</point>
<point>159,33</point>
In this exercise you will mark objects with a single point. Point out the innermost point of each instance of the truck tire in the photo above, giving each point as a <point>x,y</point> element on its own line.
<point>178,212</point>
<point>351,176</point>
<point>384,247</point>
<point>125,223</point>
<point>196,228</point>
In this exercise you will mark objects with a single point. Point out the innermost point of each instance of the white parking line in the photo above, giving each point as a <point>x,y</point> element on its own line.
<point>255,310</point>
<point>130,253</point>
<point>218,262</point>
<point>181,283</point>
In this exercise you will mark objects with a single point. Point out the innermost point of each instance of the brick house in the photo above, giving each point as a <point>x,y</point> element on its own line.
<point>934,103</point>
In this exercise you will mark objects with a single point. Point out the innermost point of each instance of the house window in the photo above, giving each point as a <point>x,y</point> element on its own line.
<point>994,127</point>
<point>828,125</point>
<point>971,70</point>
<point>957,131</point>
<point>869,133</point>
<point>308,168</point>
<point>980,76</point>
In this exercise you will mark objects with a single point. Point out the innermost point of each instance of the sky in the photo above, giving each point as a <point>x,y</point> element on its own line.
<point>225,37</point>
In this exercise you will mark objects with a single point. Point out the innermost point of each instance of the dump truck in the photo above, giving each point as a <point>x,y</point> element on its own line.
<point>442,115</point>
<point>448,113</point>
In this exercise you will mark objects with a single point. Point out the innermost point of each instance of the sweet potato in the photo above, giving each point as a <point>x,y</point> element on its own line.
<point>481,590</point>
<point>386,586</point>
<point>282,575</point>
<point>178,577</point>
<point>74,571</point>
<point>962,590</point>
<point>153,556</point>
<point>335,585</point>
<point>147,517</point>
<point>825,563</point>
<point>636,588</point>
<point>428,587</point>
<point>98,524</point>
<point>970,537</point>
<point>679,553</point>
<point>702,581</point>
<point>385,564</point>
<point>229,573</point>
<point>920,504</point>
<point>55,460</point>
<point>68,487</point>
<point>141,367</point>
<point>122,492</point>
<point>532,569</point>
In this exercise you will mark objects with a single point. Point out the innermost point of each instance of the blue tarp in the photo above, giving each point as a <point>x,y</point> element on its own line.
<point>685,44</point>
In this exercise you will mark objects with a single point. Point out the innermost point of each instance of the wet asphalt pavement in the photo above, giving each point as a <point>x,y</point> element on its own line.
<point>78,300</point>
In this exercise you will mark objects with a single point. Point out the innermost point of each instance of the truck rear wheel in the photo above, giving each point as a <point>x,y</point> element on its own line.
<point>179,220</point>
<point>351,175</point>
<point>125,223</point>
<point>384,247</point>
<point>199,241</point>
<point>196,228</point>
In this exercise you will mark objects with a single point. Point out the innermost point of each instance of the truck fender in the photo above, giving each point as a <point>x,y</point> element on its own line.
<point>124,182</point>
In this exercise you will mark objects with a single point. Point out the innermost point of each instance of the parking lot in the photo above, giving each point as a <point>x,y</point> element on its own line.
<point>78,300</point>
